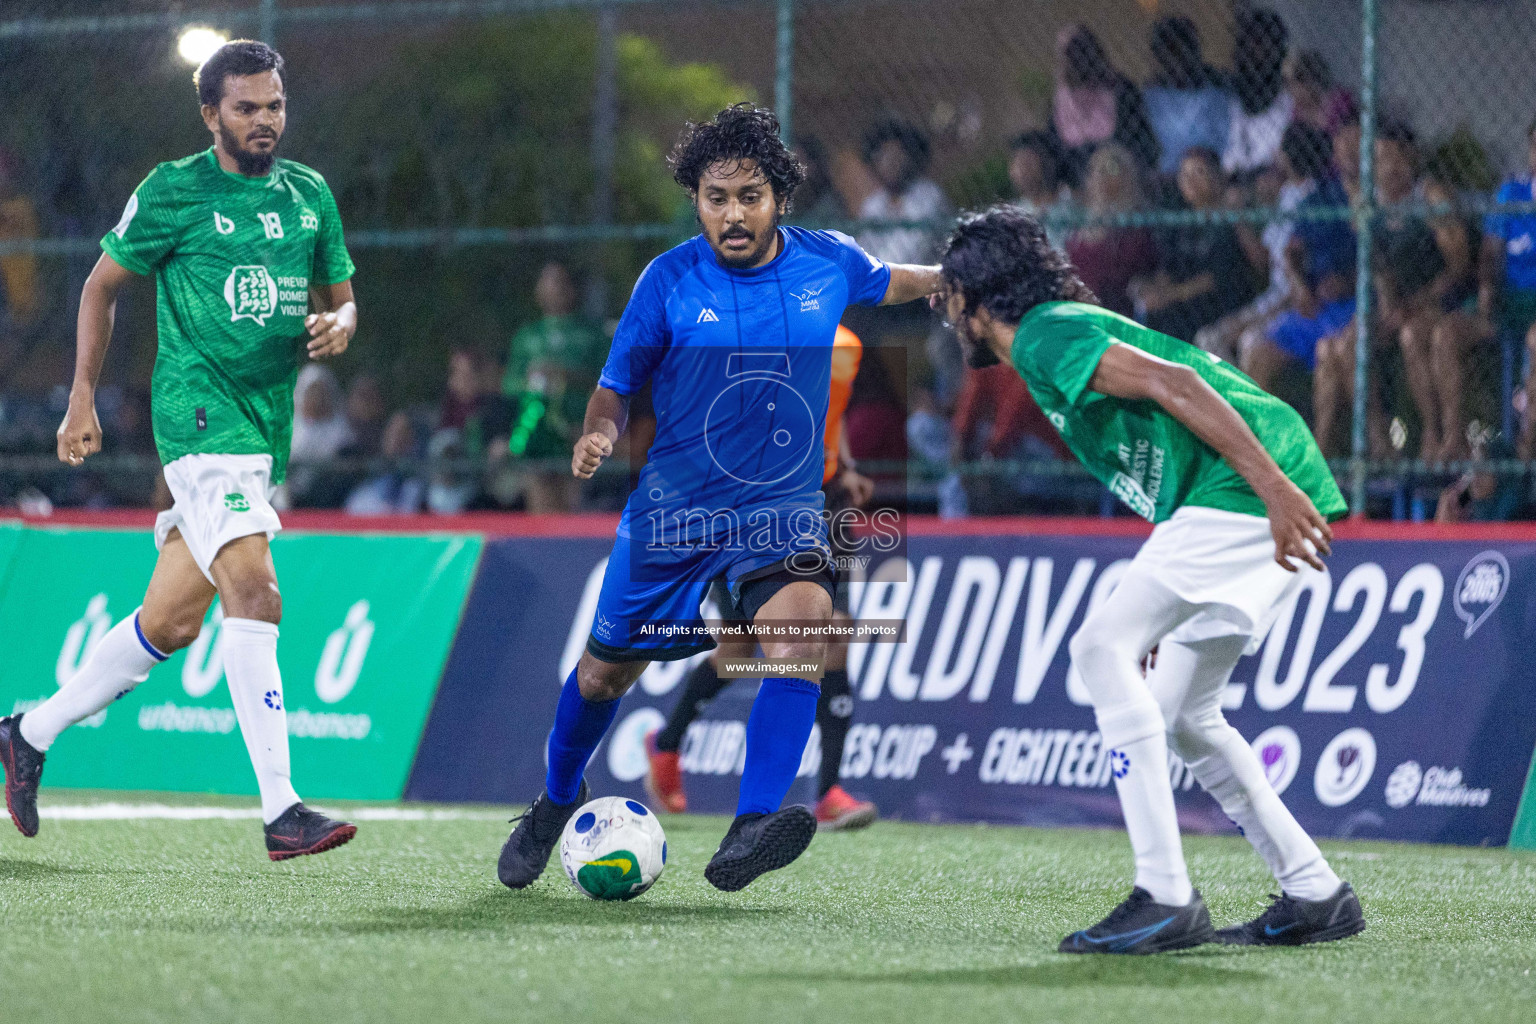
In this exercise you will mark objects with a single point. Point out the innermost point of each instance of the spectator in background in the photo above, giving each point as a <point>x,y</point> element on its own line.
<point>366,413</point>
<point>1203,273</point>
<point>1346,158</point>
<point>1421,272</point>
<point>1304,164</point>
<point>1187,105</point>
<point>391,488</point>
<point>1094,104</point>
<point>1317,262</point>
<point>1508,280</point>
<point>1260,107</point>
<point>1108,258</point>
<point>817,201</point>
<point>551,370</point>
<point>1316,99</point>
<point>897,155</point>
<point>20,298</point>
<point>1034,168</point>
<point>320,432</point>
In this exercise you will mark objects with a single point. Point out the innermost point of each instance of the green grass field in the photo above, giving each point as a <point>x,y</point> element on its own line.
<point>156,920</point>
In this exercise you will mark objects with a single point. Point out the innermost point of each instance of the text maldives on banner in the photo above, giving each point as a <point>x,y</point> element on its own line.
<point>367,623</point>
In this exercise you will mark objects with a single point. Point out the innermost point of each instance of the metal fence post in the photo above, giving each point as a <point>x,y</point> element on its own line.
<point>1365,222</point>
<point>784,67</point>
<point>266,22</point>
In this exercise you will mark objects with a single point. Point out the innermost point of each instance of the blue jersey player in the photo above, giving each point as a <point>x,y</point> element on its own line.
<point>733,330</point>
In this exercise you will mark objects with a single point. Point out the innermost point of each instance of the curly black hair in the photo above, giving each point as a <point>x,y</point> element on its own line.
<point>737,134</point>
<point>1000,260</point>
<point>238,57</point>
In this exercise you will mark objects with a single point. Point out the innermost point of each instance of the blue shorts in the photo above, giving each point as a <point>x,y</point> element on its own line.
<point>1298,335</point>
<point>648,608</point>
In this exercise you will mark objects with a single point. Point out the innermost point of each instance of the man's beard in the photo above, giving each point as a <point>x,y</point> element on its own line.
<point>751,256</point>
<point>978,355</point>
<point>249,163</point>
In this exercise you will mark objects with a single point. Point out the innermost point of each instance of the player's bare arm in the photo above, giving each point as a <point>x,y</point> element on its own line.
<point>607,412</point>
<point>334,321</point>
<point>910,282</point>
<point>80,433</point>
<point>1300,531</point>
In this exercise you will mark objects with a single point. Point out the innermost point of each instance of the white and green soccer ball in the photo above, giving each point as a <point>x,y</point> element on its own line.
<point>613,848</point>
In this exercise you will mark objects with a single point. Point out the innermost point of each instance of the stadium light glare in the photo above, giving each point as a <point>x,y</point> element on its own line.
<point>197,44</point>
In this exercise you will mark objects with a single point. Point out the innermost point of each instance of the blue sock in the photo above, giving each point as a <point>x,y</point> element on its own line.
<point>579,728</point>
<point>777,730</point>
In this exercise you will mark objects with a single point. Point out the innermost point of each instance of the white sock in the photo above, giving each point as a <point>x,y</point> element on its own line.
<point>119,663</point>
<point>1140,763</point>
<point>1234,776</point>
<point>256,690</point>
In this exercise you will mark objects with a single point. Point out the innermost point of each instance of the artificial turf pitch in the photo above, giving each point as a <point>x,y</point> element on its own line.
<point>167,920</point>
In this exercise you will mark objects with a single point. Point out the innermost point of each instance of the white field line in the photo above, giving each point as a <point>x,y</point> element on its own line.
<point>195,812</point>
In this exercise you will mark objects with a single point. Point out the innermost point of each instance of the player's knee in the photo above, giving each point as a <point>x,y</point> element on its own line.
<point>1095,640</point>
<point>253,598</point>
<point>797,650</point>
<point>605,680</point>
<point>169,633</point>
<point>1198,733</point>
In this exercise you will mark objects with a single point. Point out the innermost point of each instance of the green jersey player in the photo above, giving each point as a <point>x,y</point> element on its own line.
<point>242,247</point>
<point>1242,499</point>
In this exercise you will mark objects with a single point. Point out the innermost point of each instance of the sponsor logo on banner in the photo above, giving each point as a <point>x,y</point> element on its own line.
<point>1345,767</point>
<point>1278,749</point>
<point>1431,787</point>
<point>1480,588</point>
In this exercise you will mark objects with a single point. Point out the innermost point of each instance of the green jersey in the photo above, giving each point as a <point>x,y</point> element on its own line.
<point>233,259</point>
<point>1148,459</point>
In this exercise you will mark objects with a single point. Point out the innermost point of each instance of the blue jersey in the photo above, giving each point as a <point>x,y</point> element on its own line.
<point>1518,233</point>
<point>740,367</point>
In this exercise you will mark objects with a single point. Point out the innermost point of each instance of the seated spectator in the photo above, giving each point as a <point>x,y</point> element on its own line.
<point>1316,99</point>
<point>1034,168</point>
<point>551,370</point>
<point>1506,298</point>
<point>1107,258</point>
<point>1094,103</point>
<point>320,432</point>
<point>1421,274</point>
<point>1203,273</point>
<point>20,296</point>
<point>366,414</point>
<point>472,403</point>
<point>897,155</point>
<point>1187,105</point>
<point>1260,107</point>
<point>1241,337</point>
<point>391,488</point>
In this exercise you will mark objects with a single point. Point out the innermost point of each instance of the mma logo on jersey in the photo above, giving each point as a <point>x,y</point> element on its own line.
<point>251,294</point>
<point>808,300</point>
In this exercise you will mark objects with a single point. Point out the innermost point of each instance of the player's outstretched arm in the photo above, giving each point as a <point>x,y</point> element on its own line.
<point>334,321</point>
<point>80,433</point>
<point>910,282</point>
<point>1300,531</point>
<point>607,412</point>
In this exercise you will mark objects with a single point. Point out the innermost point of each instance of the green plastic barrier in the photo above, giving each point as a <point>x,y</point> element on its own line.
<point>367,624</point>
<point>1523,835</point>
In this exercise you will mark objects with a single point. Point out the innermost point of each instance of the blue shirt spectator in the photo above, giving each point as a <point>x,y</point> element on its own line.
<point>1187,105</point>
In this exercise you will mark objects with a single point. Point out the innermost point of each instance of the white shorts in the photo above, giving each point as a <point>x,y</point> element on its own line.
<point>1224,562</point>
<point>219,498</point>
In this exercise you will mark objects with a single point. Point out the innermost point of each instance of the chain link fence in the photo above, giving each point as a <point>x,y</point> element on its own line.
<point>1202,162</point>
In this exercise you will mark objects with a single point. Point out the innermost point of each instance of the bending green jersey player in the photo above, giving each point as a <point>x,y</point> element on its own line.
<point>1241,497</point>
<point>242,247</point>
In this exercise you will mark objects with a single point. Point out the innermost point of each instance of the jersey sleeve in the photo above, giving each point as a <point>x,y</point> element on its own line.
<point>149,228</point>
<point>868,277</point>
<point>333,264</point>
<point>1060,353</point>
<point>641,337</point>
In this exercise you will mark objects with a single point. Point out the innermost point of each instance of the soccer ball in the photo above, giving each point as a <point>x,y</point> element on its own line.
<point>613,848</point>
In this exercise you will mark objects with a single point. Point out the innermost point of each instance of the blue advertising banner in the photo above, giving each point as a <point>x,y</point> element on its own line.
<point>1391,699</point>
